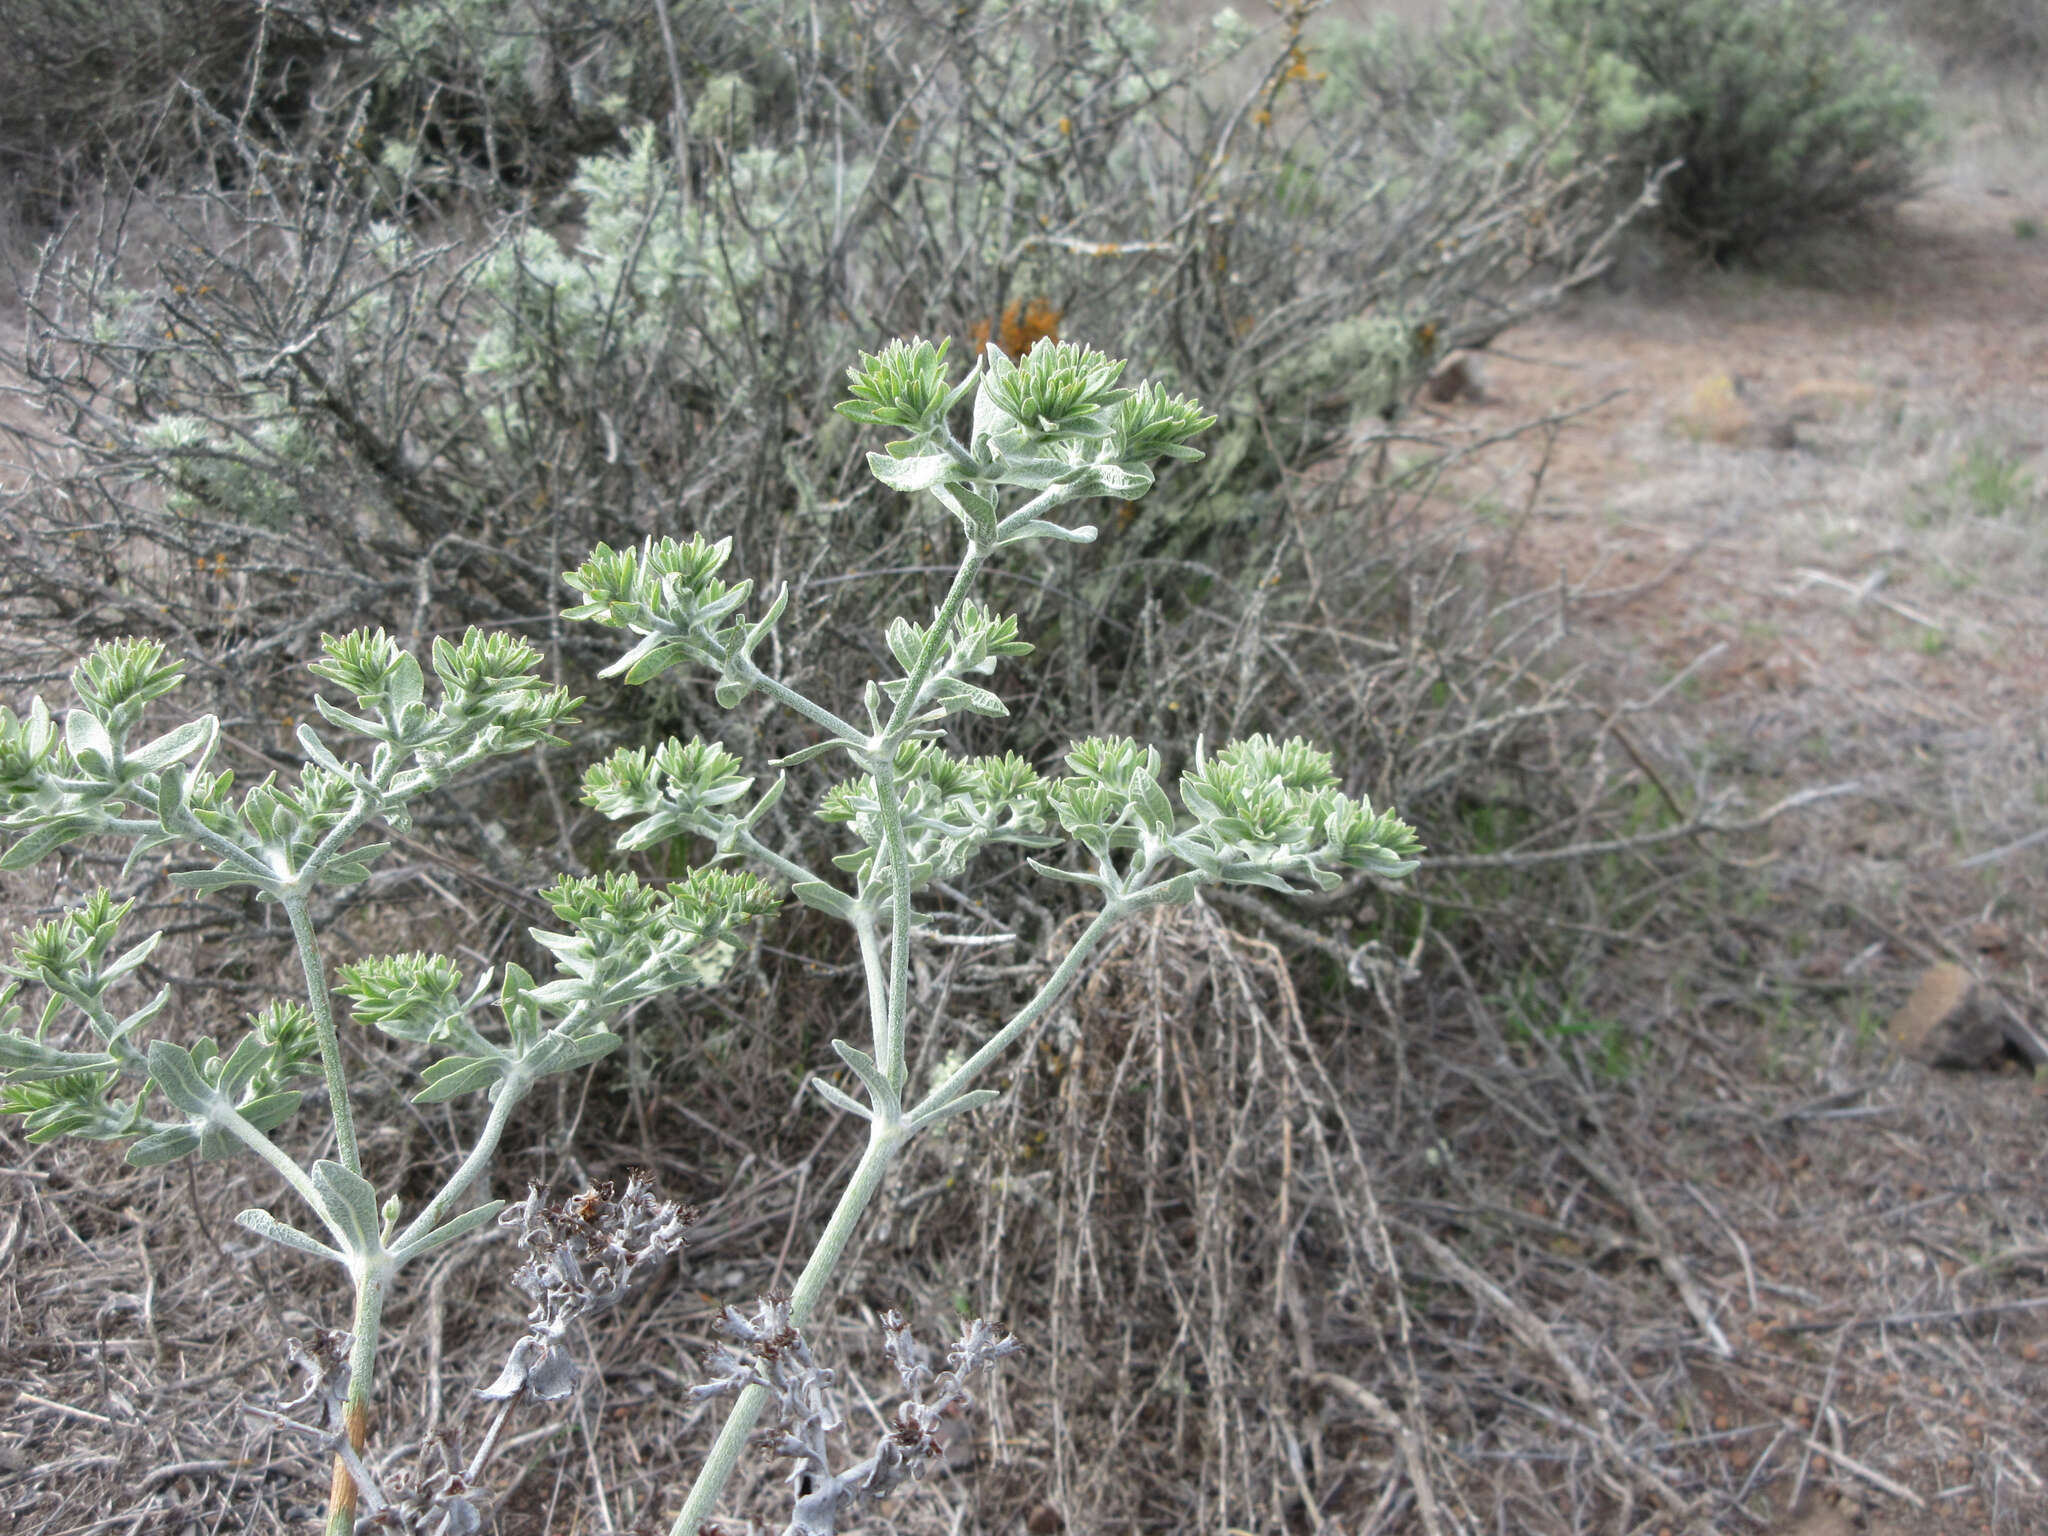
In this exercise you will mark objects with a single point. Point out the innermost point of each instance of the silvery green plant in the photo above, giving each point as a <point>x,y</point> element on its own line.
<point>1050,430</point>
<point>1046,431</point>
<point>89,1066</point>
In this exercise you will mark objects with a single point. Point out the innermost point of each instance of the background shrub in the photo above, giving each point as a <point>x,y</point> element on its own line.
<point>388,367</point>
<point>1774,114</point>
<point>92,90</point>
<point>2007,35</point>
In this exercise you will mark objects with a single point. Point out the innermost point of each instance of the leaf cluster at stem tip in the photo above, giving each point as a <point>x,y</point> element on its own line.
<point>1056,424</point>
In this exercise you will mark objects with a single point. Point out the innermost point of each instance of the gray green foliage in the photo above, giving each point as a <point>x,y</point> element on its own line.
<point>391,368</point>
<point>1775,114</point>
<point>1056,428</point>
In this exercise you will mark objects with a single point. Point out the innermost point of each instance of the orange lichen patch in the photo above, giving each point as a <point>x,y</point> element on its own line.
<point>1297,68</point>
<point>1023,326</point>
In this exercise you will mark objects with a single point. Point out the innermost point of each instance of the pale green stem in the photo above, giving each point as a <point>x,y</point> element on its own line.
<point>130,1061</point>
<point>322,1006</point>
<point>1052,496</point>
<point>783,865</point>
<point>890,1025</point>
<point>912,699</point>
<point>883,1143</point>
<point>247,1134</point>
<point>222,847</point>
<point>783,694</point>
<point>132,828</point>
<point>355,1407</point>
<point>367,803</point>
<point>871,964</point>
<point>435,1211</point>
<point>889,1045</point>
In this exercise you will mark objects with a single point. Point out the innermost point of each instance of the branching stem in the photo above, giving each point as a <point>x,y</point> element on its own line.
<point>909,705</point>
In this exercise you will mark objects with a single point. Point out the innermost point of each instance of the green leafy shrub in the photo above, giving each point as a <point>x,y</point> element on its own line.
<point>1772,114</point>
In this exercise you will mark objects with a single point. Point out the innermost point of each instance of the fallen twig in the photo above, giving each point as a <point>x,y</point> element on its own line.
<point>1396,1429</point>
<point>1692,828</point>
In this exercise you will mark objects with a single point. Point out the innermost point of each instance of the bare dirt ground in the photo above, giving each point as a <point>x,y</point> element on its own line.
<point>1810,515</point>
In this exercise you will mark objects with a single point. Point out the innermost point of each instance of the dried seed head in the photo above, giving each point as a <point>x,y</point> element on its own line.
<point>583,1256</point>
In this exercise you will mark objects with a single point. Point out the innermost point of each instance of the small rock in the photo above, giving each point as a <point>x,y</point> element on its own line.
<point>1457,379</point>
<point>1946,1023</point>
<point>1716,410</point>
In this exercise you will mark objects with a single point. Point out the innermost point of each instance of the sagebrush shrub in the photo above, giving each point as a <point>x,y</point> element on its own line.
<point>355,375</point>
<point>1772,115</point>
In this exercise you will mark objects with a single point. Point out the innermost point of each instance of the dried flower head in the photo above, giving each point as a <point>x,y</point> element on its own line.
<point>772,1354</point>
<point>583,1256</point>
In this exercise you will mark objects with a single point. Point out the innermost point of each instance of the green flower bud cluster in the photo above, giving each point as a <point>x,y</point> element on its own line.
<point>631,940</point>
<point>904,386</point>
<point>1269,813</point>
<point>1260,812</point>
<point>491,700</point>
<point>669,594</point>
<point>1061,389</point>
<point>1055,424</point>
<point>678,790</point>
<point>58,786</point>
<point>62,1092</point>
<point>626,941</point>
<point>118,679</point>
<point>414,997</point>
<point>950,809</point>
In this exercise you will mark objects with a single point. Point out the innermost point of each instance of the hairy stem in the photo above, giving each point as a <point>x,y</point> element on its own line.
<point>355,1408</point>
<point>891,1020</point>
<point>322,1006</point>
<point>1055,986</point>
<point>868,1176</point>
<point>223,848</point>
<point>871,966</point>
<point>272,1154</point>
<point>785,695</point>
<point>435,1211</point>
<point>889,1045</point>
<point>781,863</point>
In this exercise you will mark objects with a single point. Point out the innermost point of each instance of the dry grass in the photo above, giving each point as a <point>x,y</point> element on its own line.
<point>1274,1256</point>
